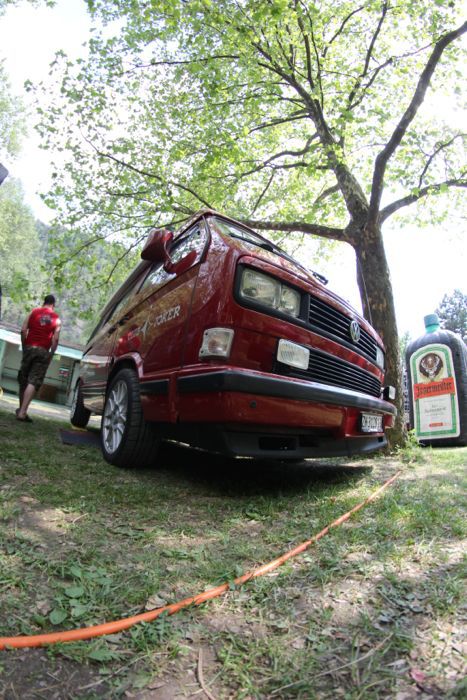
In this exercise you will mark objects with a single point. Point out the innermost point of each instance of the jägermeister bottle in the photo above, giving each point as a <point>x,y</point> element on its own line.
<point>437,385</point>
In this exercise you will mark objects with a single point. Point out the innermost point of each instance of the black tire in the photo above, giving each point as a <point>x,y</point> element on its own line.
<point>79,415</point>
<point>127,439</point>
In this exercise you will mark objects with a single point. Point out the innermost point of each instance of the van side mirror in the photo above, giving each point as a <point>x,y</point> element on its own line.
<point>157,246</point>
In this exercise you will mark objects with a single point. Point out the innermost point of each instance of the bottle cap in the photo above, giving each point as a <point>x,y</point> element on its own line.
<point>431,321</point>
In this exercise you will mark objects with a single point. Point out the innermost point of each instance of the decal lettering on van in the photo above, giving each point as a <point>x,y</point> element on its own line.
<point>168,315</point>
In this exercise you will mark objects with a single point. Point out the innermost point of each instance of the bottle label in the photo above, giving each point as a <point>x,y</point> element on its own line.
<point>436,407</point>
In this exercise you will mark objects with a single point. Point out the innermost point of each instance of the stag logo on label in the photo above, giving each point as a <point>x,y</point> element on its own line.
<point>354,329</point>
<point>431,366</point>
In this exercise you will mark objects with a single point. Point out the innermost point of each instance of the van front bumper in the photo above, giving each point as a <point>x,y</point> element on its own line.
<point>245,413</point>
<point>260,385</point>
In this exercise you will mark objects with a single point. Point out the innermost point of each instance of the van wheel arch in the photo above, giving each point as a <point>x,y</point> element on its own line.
<point>117,366</point>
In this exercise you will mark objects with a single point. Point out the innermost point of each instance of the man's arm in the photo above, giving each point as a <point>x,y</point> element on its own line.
<point>55,338</point>
<point>24,332</point>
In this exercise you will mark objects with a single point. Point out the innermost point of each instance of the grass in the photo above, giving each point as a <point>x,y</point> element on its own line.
<point>374,609</point>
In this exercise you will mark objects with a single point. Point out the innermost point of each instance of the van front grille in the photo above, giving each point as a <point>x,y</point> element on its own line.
<point>326,319</point>
<point>328,369</point>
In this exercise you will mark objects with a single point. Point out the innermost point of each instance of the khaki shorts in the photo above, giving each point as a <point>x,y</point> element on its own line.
<point>33,367</point>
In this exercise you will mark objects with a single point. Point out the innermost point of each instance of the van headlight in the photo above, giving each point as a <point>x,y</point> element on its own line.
<point>265,290</point>
<point>379,357</point>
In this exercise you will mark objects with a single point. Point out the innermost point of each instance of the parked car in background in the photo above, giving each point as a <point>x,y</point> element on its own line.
<point>222,341</point>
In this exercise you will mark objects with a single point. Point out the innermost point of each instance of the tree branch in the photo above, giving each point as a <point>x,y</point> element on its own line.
<point>303,114</point>
<point>306,41</point>
<point>344,22</point>
<point>265,189</point>
<point>80,249</point>
<point>240,99</point>
<point>281,154</point>
<point>336,234</point>
<point>273,167</point>
<point>368,56</point>
<point>376,71</point>
<point>167,62</point>
<point>354,196</point>
<point>119,260</point>
<point>319,79</point>
<point>326,193</point>
<point>437,150</point>
<point>408,116</point>
<point>414,197</point>
<point>153,176</point>
<point>131,194</point>
<point>288,57</point>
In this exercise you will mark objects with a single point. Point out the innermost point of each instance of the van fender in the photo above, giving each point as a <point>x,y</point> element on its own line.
<point>131,360</point>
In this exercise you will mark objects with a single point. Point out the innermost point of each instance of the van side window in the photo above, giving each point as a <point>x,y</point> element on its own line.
<point>116,310</point>
<point>194,239</point>
<point>155,278</point>
<point>113,313</point>
<point>121,303</point>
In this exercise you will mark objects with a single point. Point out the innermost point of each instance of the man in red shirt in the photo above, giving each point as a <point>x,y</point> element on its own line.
<point>39,337</point>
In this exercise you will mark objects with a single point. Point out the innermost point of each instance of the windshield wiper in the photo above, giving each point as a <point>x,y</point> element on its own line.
<point>260,244</point>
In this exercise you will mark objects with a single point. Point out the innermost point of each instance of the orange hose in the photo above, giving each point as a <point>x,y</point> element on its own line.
<point>38,640</point>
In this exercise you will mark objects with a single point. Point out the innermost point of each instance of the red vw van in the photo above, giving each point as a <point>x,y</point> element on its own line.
<point>221,340</point>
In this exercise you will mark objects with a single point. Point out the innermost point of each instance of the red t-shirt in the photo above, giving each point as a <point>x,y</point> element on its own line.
<point>42,324</point>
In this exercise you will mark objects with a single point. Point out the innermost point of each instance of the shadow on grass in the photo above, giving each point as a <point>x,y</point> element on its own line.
<point>234,476</point>
<point>241,477</point>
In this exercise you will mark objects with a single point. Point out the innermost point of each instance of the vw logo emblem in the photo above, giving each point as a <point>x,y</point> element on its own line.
<point>354,331</point>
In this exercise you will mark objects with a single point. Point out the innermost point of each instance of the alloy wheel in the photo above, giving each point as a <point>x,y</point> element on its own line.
<point>114,419</point>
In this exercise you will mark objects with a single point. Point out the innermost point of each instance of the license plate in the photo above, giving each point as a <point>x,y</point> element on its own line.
<point>371,423</point>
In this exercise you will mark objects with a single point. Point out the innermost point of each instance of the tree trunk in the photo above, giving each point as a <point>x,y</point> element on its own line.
<point>378,308</point>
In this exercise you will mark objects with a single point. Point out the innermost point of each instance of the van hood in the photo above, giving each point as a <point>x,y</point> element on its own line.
<point>285,262</point>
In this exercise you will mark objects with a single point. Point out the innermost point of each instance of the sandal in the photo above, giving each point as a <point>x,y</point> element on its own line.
<point>26,419</point>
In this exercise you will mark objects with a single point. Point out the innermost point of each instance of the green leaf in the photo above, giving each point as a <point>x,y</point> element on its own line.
<point>74,591</point>
<point>102,654</point>
<point>39,619</point>
<point>79,609</point>
<point>57,616</point>
<point>76,571</point>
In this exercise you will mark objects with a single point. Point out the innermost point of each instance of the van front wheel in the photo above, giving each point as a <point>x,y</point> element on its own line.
<point>127,439</point>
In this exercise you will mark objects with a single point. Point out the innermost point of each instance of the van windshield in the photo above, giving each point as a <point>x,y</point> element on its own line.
<point>244,234</point>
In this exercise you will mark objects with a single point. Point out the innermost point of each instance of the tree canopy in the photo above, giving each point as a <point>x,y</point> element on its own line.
<point>19,244</point>
<point>25,250</point>
<point>20,252</point>
<point>452,312</point>
<point>274,110</point>
<point>292,115</point>
<point>26,255</point>
<point>12,121</point>
<point>4,4</point>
